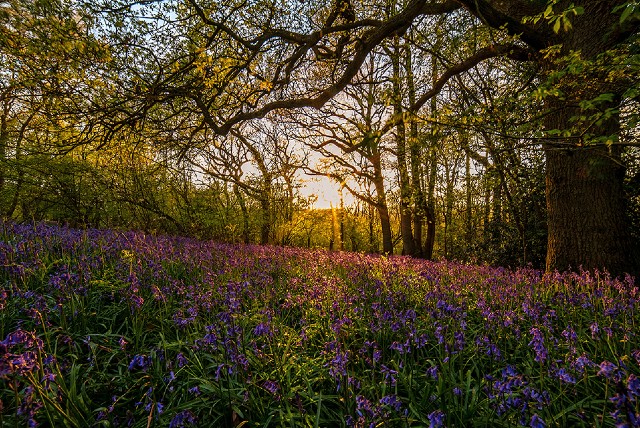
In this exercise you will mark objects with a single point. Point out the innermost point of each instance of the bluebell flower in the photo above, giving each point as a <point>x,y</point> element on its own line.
<point>564,376</point>
<point>538,345</point>
<point>183,419</point>
<point>633,384</point>
<point>364,407</point>
<point>392,401</point>
<point>262,329</point>
<point>181,360</point>
<point>140,361</point>
<point>595,329</point>
<point>271,386</point>
<point>389,374</point>
<point>436,419</point>
<point>537,422</point>
<point>607,369</point>
<point>433,372</point>
<point>569,334</point>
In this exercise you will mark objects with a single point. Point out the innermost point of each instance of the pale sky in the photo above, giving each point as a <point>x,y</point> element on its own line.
<point>326,190</point>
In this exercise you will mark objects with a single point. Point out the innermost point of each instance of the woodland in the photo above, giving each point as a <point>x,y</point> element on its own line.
<point>482,131</point>
<point>165,259</point>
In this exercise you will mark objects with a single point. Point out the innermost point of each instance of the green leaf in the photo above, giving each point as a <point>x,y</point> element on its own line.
<point>556,26</point>
<point>548,11</point>
<point>626,12</point>
<point>607,97</point>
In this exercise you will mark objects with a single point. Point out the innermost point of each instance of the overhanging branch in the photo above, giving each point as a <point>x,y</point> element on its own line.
<point>397,24</point>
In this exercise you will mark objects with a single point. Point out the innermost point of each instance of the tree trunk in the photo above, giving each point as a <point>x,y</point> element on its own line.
<point>431,206</point>
<point>372,241</point>
<point>401,153</point>
<point>341,220</point>
<point>265,221</point>
<point>419,201</point>
<point>432,160</point>
<point>450,178</point>
<point>585,204</point>
<point>265,212</point>
<point>468,221</point>
<point>4,139</point>
<point>381,206</point>
<point>587,224</point>
<point>245,214</point>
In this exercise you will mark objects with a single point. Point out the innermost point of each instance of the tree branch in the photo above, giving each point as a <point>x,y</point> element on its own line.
<point>511,51</point>
<point>397,24</point>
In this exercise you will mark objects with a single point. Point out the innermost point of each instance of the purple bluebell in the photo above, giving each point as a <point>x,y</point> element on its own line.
<point>537,422</point>
<point>392,401</point>
<point>183,419</point>
<point>436,419</point>
<point>538,345</point>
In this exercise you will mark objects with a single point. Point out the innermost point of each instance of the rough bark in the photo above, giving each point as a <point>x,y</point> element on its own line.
<point>584,185</point>
<point>585,205</point>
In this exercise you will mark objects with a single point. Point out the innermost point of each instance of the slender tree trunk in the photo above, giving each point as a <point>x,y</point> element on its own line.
<point>401,153</point>
<point>265,220</point>
<point>341,220</point>
<point>468,230</point>
<point>4,139</point>
<point>381,206</point>
<point>245,214</point>
<point>432,160</point>
<point>450,177</point>
<point>496,211</point>
<point>419,201</point>
<point>486,218</point>
<point>290,197</point>
<point>431,205</point>
<point>372,246</point>
<point>20,179</point>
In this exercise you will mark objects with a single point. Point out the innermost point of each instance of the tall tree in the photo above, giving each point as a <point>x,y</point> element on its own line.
<point>585,201</point>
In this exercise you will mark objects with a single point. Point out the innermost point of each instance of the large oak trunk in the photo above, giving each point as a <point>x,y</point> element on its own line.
<point>587,221</point>
<point>585,205</point>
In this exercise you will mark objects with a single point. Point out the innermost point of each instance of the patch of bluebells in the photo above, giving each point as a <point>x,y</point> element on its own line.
<point>280,327</point>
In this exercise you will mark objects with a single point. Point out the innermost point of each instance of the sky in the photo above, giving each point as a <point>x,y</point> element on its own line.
<point>327,191</point>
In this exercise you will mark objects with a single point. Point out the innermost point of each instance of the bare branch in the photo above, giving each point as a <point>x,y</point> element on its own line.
<point>397,24</point>
<point>507,50</point>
